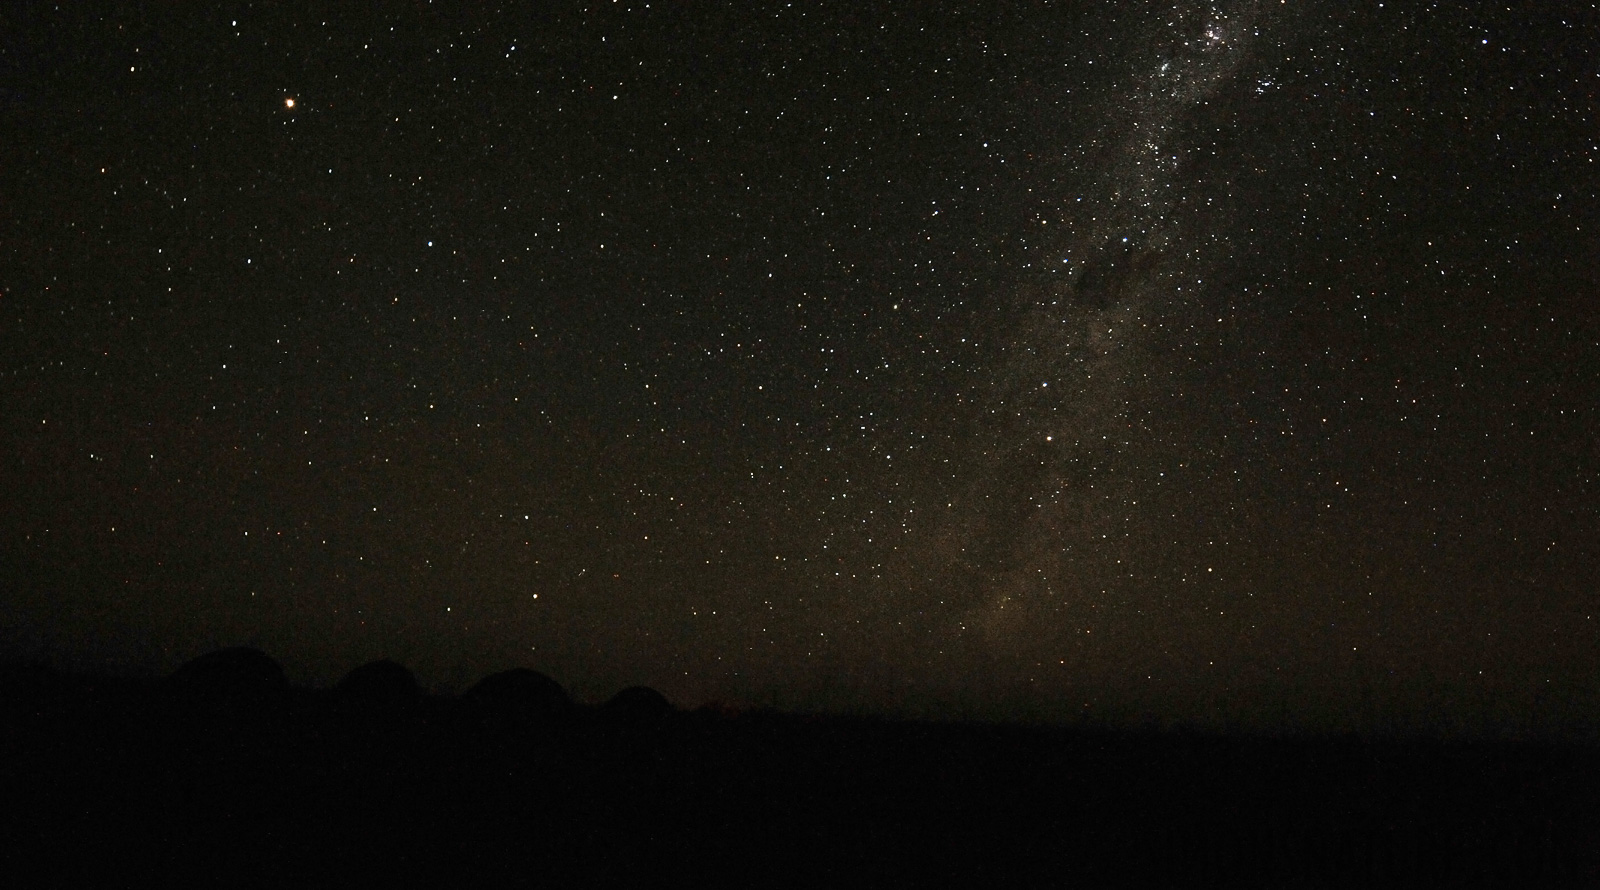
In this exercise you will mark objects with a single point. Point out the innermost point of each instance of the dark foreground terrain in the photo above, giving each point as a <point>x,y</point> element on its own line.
<point>224,775</point>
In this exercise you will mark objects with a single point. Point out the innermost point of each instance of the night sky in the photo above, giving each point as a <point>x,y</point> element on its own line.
<point>1231,362</point>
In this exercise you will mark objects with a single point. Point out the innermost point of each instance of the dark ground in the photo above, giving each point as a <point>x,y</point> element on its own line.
<point>224,775</point>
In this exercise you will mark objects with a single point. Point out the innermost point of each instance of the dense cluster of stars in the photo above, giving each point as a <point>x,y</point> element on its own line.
<point>1188,357</point>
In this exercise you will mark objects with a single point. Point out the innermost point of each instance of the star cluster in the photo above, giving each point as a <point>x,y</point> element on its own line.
<point>1218,360</point>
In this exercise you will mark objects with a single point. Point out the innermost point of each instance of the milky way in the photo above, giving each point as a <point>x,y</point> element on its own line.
<point>1224,361</point>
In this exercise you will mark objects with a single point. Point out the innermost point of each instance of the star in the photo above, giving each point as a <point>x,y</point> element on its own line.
<point>789,307</point>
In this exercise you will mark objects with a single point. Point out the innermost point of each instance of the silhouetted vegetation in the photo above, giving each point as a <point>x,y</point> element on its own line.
<point>225,775</point>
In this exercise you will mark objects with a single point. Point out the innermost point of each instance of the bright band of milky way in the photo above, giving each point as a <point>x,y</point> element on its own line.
<point>1231,362</point>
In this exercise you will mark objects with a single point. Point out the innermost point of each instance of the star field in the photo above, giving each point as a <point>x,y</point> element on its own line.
<point>1225,361</point>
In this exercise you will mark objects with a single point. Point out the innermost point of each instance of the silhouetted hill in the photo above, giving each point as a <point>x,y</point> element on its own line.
<point>229,673</point>
<point>637,706</point>
<point>224,775</point>
<point>383,684</point>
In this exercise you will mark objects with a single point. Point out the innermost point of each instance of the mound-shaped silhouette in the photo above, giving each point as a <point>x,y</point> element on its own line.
<point>638,705</point>
<point>239,672</point>
<point>382,686</point>
<point>518,699</point>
